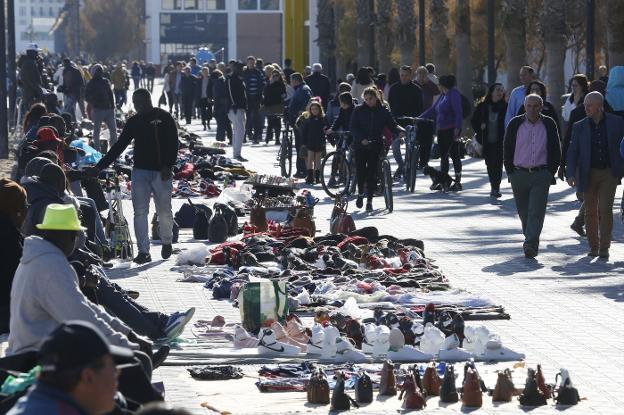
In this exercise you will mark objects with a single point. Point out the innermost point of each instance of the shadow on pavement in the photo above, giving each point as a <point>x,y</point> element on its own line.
<point>516,265</point>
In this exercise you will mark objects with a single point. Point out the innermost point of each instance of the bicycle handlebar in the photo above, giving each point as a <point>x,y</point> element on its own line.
<point>412,119</point>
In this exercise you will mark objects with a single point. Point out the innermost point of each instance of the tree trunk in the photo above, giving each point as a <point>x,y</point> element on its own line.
<point>383,34</point>
<point>406,30</point>
<point>552,19</point>
<point>363,32</point>
<point>513,20</point>
<point>339,17</point>
<point>326,39</point>
<point>439,37</point>
<point>463,48</point>
<point>615,32</point>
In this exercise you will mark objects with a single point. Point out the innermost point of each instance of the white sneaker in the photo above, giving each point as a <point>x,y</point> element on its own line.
<point>315,344</point>
<point>242,339</point>
<point>370,335</point>
<point>382,342</point>
<point>409,353</point>
<point>177,322</point>
<point>476,339</point>
<point>329,342</point>
<point>396,339</point>
<point>432,340</point>
<point>496,352</point>
<point>268,344</point>
<point>455,355</point>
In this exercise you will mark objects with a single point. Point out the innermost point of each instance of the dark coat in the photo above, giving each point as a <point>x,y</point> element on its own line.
<point>578,159</point>
<point>369,123</point>
<point>405,100</point>
<point>299,102</point>
<point>274,94</point>
<point>481,116</point>
<point>40,195</point>
<point>320,86</point>
<point>313,133</point>
<point>30,79</point>
<point>72,81</point>
<point>99,93</point>
<point>237,96</point>
<point>10,254</point>
<point>188,86</point>
<point>219,93</point>
<point>553,147</point>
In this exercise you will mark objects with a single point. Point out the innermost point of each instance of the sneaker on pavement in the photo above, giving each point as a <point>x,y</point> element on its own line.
<point>165,251</point>
<point>530,252</point>
<point>578,228</point>
<point>142,258</point>
<point>177,322</point>
<point>159,357</point>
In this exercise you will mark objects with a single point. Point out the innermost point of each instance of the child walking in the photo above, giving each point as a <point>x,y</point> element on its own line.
<point>313,138</point>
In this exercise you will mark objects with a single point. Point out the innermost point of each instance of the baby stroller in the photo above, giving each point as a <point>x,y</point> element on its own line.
<point>117,229</point>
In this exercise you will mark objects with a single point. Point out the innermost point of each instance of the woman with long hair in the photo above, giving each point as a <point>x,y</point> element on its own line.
<point>273,105</point>
<point>538,87</point>
<point>579,86</point>
<point>488,123</point>
<point>362,81</point>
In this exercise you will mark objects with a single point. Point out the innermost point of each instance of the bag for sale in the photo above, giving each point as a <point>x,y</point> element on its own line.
<point>262,301</point>
<point>257,217</point>
<point>318,388</point>
<point>364,388</point>
<point>231,219</point>
<point>341,221</point>
<point>218,229</point>
<point>303,220</point>
<point>156,230</point>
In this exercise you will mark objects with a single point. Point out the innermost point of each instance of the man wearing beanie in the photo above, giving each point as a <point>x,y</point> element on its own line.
<point>12,214</point>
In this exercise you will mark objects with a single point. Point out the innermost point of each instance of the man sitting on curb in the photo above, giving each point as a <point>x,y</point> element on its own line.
<point>79,371</point>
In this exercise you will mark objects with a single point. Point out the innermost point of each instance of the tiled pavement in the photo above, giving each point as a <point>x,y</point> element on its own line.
<point>565,307</point>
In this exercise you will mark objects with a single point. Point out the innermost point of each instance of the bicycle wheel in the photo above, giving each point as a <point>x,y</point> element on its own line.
<point>387,184</point>
<point>286,157</point>
<point>411,179</point>
<point>335,174</point>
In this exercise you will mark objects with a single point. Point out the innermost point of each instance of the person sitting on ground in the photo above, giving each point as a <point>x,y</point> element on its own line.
<point>333,107</point>
<point>79,373</point>
<point>12,214</point>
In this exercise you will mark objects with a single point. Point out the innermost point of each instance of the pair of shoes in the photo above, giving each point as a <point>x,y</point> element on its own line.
<point>241,158</point>
<point>369,206</point>
<point>177,322</point>
<point>397,175</point>
<point>456,187</point>
<point>604,253</point>
<point>142,258</point>
<point>577,227</point>
<point>530,252</point>
<point>310,177</point>
<point>359,202</point>
<point>165,251</point>
<point>593,253</point>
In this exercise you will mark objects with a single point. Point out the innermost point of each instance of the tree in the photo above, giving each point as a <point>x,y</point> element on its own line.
<point>513,19</point>
<point>383,34</point>
<point>364,27</point>
<point>615,32</point>
<point>406,30</point>
<point>463,52</point>
<point>554,32</point>
<point>440,45</point>
<point>326,38</point>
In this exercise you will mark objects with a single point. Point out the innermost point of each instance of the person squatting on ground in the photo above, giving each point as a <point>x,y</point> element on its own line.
<point>595,167</point>
<point>532,154</point>
<point>155,138</point>
<point>313,139</point>
<point>367,124</point>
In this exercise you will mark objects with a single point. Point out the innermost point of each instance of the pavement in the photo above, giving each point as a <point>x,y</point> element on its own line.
<point>564,306</point>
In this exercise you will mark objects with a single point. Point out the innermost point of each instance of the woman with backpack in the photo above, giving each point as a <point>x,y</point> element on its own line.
<point>488,123</point>
<point>448,115</point>
<point>313,138</point>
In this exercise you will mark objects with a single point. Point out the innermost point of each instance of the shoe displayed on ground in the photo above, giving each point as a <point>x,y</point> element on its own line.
<point>604,253</point>
<point>315,344</point>
<point>160,356</point>
<point>297,332</point>
<point>400,352</point>
<point>451,352</point>
<point>268,344</point>
<point>369,206</point>
<point>496,352</point>
<point>346,352</point>
<point>177,322</point>
<point>530,252</point>
<point>242,339</point>
<point>577,227</point>
<point>382,341</point>
<point>432,339</point>
<point>369,338</point>
<point>165,251</point>
<point>142,258</point>
<point>282,336</point>
<point>359,202</point>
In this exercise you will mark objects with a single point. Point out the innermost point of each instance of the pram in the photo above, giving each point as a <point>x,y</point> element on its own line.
<point>117,229</point>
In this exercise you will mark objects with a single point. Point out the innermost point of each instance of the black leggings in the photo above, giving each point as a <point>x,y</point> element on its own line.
<point>367,165</point>
<point>448,146</point>
<point>274,127</point>
<point>493,155</point>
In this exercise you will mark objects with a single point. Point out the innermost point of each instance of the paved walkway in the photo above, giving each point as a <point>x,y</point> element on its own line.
<point>565,307</point>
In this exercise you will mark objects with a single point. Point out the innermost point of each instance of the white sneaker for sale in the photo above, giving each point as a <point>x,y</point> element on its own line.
<point>346,352</point>
<point>242,339</point>
<point>315,343</point>
<point>268,344</point>
<point>370,331</point>
<point>451,352</point>
<point>382,342</point>
<point>329,342</point>
<point>409,353</point>
<point>496,352</point>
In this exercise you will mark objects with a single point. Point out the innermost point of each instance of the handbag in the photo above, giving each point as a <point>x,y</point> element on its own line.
<point>431,381</point>
<point>448,391</point>
<point>218,229</point>
<point>318,388</point>
<point>471,394</point>
<point>257,217</point>
<point>566,394</point>
<point>340,401</point>
<point>412,395</point>
<point>476,146</point>
<point>387,385</point>
<point>364,388</point>
<point>504,389</point>
<point>532,396</point>
<point>303,220</point>
<point>341,221</point>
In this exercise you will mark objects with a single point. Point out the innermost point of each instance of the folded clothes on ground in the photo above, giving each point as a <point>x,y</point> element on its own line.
<point>216,372</point>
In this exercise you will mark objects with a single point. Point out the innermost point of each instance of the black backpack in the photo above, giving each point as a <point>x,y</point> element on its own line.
<point>156,230</point>
<point>185,216</point>
<point>448,392</point>
<point>364,389</point>
<point>218,230</point>
<point>201,225</point>
<point>466,106</point>
<point>230,217</point>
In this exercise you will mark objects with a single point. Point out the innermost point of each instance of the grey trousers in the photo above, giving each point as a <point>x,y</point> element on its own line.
<point>531,195</point>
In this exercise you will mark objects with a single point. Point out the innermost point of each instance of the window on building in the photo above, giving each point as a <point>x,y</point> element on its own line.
<point>190,4</point>
<point>51,12</point>
<point>22,11</point>
<point>215,5</point>
<point>172,4</point>
<point>248,4</point>
<point>269,4</point>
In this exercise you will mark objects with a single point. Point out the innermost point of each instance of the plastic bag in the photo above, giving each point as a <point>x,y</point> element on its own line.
<point>91,157</point>
<point>262,301</point>
<point>229,194</point>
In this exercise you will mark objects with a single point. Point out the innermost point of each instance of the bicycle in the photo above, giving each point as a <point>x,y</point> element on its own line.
<point>338,168</point>
<point>412,150</point>
<point>284,155</point>
<point>385,174</point>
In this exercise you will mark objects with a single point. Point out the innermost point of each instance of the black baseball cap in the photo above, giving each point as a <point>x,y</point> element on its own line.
<point>75,345</point>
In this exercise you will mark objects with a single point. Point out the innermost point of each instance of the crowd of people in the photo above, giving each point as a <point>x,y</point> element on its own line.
<point>55,248</point>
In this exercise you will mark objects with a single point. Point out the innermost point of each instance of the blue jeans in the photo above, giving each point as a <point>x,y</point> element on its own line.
<point>70,106</point>
<point>108,117</point>
<point>144,184</point>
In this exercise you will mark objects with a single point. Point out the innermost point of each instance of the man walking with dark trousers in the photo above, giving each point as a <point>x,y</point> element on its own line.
<point>155,138</point>
<point>531,156</point>
<point>254,85</point>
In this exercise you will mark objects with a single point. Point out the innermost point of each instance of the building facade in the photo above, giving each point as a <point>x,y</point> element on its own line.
<point>33,21</point>
<point>231,29</point>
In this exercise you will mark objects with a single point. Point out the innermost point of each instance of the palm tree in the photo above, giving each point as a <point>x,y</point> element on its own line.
<point>364,27</point>
<point>439,37</point>
<point>383,34</point>
<point>463,48</point>
<point>406,29</point>
<point>615,32</point>
<point>513,19</point>
<point>554,30</point>
<point>326,36</point>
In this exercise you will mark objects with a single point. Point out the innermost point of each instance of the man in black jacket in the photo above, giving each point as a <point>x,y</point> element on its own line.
<point>319,84</point>
<point>237,108</point>
<point>30,79</point>
<point>99,96</point>
<point>155,138</point>
<point>531,157</point>
<point>73,82</point>
<point>406,100</point>
<point>254,85</point>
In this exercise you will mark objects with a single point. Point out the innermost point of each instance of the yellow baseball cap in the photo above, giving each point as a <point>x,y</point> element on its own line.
<point>60,218</point>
